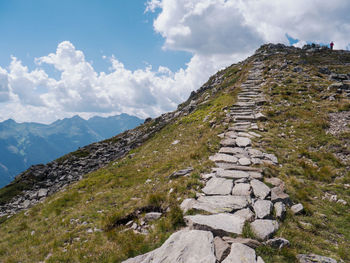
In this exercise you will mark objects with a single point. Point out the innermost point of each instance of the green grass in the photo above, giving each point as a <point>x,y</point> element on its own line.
<point>297,133</point>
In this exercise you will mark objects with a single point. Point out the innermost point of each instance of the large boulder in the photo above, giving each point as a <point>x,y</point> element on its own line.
<point>183,246</point>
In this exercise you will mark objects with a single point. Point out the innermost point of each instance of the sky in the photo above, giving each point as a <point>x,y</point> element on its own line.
<point>141,57</point>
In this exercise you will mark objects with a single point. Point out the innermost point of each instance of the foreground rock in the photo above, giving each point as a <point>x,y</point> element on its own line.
<point>182,246</point>
<point>219,224</point>
<point>312,258</point>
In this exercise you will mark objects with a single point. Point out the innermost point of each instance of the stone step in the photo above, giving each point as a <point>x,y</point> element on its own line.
<point>220,224</point>
<point>239,168</point>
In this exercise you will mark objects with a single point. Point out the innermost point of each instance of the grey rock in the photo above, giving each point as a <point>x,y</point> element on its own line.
<point>152,216</point>
<point>275,182</point>
<point>240,254</point>
<point>182,246</point>
<point>260,189</point>
<point>278,242</point>
<point>260,260</point>
<point>218,186</point>
<point>260,117</point>
<point>42,192</point>
<point>181,172</point>
<point>187,204</point>
<point>241,189</point>
<point>312,258</point>
<point>232,174</point>
<point>277,195</point>
<point>263,209</point>
<point>271,157</point>
<point>280,210</point>
<point>297,209</point>
<point>244,161</point>
<point>245,241</point>
<point>222,249</point>
<point>263,229</point>
<point>246,213</point>
<point>228,142</point>
<point>219,224</point>
<point>221,157</point>
<point>218,204</point>
<point>243,141</point>
<point>231,150</point>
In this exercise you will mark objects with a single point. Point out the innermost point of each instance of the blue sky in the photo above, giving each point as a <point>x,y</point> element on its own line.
<point>60,58</point>
<point>33,28</point>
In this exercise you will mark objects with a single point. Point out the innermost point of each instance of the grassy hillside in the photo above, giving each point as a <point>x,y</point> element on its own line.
<point>80,224</point>
<point>58,229</point>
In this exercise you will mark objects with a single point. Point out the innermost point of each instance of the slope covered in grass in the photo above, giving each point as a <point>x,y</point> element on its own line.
<point>59,228</point>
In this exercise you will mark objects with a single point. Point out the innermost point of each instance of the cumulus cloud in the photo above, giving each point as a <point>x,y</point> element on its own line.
<point>216,32</point>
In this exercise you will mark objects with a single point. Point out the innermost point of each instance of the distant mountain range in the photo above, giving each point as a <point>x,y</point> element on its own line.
<point>25,144</point>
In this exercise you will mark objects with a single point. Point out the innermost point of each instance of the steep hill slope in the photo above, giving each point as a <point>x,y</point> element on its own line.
<point>101,218</point>
<point>25,144</point>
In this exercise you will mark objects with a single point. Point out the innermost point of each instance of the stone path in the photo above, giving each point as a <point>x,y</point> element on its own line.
<point>235,195</point>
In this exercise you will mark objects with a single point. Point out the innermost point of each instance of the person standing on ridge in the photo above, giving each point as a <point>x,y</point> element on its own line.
<point>332,44</point>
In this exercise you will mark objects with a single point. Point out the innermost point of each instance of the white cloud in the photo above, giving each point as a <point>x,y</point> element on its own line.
<point>216,32</point>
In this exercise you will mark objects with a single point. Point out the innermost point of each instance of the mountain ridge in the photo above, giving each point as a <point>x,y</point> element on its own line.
<point>25,144</point>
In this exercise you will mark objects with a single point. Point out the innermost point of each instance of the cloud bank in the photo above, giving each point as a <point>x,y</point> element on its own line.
<point>216,32</point>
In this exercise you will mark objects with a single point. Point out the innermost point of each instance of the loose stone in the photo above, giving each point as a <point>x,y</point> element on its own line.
<point>280,210</point>
<point>297,209</point>
<point>260,189</point>
<point>263,208</point>
<point>243,141</point>
<point>263,228</point>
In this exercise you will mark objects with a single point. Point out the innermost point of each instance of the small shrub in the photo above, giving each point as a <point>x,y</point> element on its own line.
<point>176,217</point>
<point>156,199</point>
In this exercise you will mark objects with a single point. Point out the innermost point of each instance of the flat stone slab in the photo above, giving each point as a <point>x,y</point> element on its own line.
<point>225,158</point>
<point>244,161</point>
<point>243,141</point>
<point>263,208</point>
<point>182,246</point>
<point>297,209</point>
<point>232,174</point>
<point>228,142</point>
<point>260,189</point>
<point>218,224</point>
<point>241,189</point>
<point>231,150</point>
<point>240,254</point>
<point>229,166</point>
<point>263,229</point>
<point>219,204</point>
<point>218,186</point>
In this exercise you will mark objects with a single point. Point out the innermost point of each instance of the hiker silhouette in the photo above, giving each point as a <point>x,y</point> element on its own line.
<point>332,45</point>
